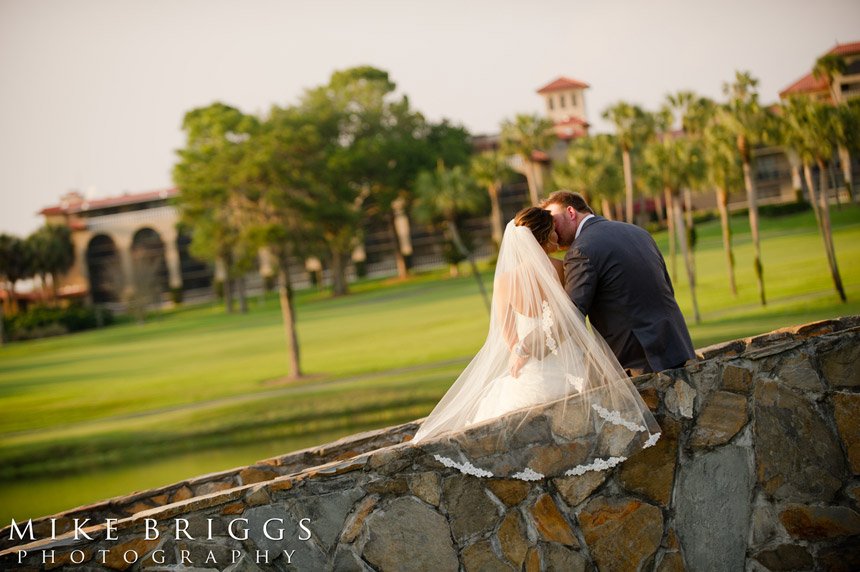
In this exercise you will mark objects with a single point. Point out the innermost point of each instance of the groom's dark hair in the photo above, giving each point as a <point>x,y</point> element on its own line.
<point>567,199</point>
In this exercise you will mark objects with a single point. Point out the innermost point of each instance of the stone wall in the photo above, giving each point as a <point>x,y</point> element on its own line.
<point>757,469</point>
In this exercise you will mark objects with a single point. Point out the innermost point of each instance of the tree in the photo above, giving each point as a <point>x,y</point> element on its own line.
<point>592,170</point>
<point>809,129</point>
<point>674,161</point>
<point>342,124</point>
<point>13,266</point>
<point>724,172</point>
<point>632,127</point>
<point>748,123</point>
<point>524,137</point>
<point>828,67</point>
<point>207,180</point>
<point>491,171</point>
<point>16,263</point>
<point>443,195</point>
<point>280,164</point>
<point>53,252</point>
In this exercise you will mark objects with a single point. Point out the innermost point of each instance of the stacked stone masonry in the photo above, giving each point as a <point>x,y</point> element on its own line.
<point>758,469</point>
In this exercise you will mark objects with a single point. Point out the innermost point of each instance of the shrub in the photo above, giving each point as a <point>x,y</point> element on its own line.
<point>43,321</point>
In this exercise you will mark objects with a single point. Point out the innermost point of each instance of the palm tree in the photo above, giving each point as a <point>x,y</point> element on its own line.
<point>632,126</point>
<point>523,137</point>
<point>724,172</point>
<point>748,123</point>
<point>674,162</point>
<point>491,171</point>
<point>592,170</point>
<point>443,195</point>
<point>808,128</point>
<point>703,120</point>
<point>828,67</point>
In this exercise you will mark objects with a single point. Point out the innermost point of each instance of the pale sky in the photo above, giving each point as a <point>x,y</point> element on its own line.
<point>92,92</point>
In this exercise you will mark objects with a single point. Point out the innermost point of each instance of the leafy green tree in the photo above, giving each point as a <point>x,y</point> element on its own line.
<point>490,170</point>
<point>632,128</point>
<point>523,137</point>
<point>592,169</point>
<point>342,124</point>
<point>53,253</point>
<point>809,129</point>
<point>208,181</point>
<point>749,124</point>
<point>16,263</point>
<point>444,195</point>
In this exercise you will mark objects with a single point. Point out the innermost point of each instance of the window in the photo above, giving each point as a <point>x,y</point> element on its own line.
<point>561,100</point>
<point>573,100</point>
<point>549,103</point>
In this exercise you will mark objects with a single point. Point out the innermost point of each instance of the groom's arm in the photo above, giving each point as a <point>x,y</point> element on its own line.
<point>580,279</point>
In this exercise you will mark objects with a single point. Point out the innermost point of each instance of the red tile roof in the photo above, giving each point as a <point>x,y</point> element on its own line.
<point>808,83</point>
<point>571,128</point>
<point>74,206</point>
<point>563,83</point>
<point>845,49</point>
<point>572,120</point>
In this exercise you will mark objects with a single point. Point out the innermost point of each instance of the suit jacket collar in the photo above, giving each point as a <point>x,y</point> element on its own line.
<point>588,223</point>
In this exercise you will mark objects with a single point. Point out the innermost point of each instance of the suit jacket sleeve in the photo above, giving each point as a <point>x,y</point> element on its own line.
<point>580,279</point>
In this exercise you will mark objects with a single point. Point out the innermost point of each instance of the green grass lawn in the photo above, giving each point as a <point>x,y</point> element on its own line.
<point>101,413</point>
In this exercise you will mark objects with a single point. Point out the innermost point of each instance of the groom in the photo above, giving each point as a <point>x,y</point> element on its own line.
<point>615,275</point>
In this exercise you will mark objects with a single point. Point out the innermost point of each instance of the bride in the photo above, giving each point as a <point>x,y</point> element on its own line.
<point>544,396</point>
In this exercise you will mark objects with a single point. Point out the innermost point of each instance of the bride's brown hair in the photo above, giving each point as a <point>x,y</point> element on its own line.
<point>538,220</point>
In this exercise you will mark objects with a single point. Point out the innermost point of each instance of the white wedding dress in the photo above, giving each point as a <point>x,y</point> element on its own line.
<point>571,408</point>
<point>536,383</point>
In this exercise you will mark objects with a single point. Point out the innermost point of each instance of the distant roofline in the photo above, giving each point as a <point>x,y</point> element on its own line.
<point>562,83</point>
<point>76,203</point>
<point>808,83</point>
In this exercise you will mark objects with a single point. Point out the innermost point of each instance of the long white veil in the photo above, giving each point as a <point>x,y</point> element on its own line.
<point>570,409</point>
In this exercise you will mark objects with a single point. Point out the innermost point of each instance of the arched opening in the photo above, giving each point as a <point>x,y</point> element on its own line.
<point>195,273</point>
<point>105,272</point>
<point>149,270</point>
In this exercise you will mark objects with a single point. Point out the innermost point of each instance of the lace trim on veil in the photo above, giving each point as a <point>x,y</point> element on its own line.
<point>529,474</point>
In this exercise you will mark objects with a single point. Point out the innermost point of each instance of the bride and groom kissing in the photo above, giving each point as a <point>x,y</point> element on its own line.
<point>546,395</point>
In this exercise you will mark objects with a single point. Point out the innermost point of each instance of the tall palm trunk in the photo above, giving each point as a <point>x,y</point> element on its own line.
<point>833,184</point>
<point>531,179</point>
<point>687,252</point>
<point>813,199</point>
<point>285,296</point>
<point>458,243</point>
<point>795,164</point>
<point>827,233</point>
<point>658,206</point>
<point>628,182</point>
<point>399,258</point>
<point>847,175</point>
<point>670,218</point>
<point>723,207</point>
<point>496,222</point>
<point>688,212</point>
<point>606,208</point>
<point>752,202</point>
